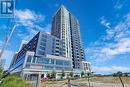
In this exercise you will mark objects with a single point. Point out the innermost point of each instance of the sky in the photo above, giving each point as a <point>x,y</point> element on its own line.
<point>104,26</point>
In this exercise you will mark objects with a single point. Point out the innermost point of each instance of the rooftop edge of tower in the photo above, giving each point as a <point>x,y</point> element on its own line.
<point>61,7</point>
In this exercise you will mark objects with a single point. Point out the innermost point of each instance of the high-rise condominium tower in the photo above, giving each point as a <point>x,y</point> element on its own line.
<point>66,27</point>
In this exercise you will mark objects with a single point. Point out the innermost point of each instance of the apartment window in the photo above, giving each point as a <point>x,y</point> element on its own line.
<point>33,46</point>
<point>56,54</point>
<point>59,62</point>
<point>67,68</point>
<point>41,52</point>
<point>45,61</point>
<point>42,48</point>
<point>67,63</point>
<point>29,59</point>
<point>57,51</point>
<point>43,39</point>
<point>59,68</point>
<point>45,36</point>
<point>61,53</point>
<point>77,54</point>
<point>34,42</point>
<point>57,47</point>
<point>43,43</point>
<point>57,40</point>
<point>57,43</point>
<point>48,67</point>
<point>34,59</point>
<point>51,61</point>
<point>39,60</point>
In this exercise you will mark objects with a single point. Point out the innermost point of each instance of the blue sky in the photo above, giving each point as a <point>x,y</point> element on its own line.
<point>104,26</point>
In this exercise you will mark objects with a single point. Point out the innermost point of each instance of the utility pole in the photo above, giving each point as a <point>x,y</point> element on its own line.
<point>69,85</point>
<point>7,41</point>
<point>121,81</point>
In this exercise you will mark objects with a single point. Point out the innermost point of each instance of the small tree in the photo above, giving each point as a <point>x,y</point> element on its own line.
<point>71,74</point>
<point>126,74</point>
<point>88,74</point>
<point>62,74</point>
<point>48,75</point>
<point>119,73</point>
<point>53,74</point>
<point>114,74</point>
<point>82,74</point>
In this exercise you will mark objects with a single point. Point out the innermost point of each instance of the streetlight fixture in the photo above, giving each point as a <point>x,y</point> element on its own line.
<point>7,40</point>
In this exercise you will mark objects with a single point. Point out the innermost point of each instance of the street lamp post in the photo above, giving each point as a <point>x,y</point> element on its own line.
<point>7,41</point>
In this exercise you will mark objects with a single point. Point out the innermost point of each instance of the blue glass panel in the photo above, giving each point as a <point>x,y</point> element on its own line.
<point>58,68</point>
<point>67,63</point>
<point>45,60</point>
<point>39,60</point>
<point>42,47</point>
<point>29,59</point>
<point>49,67</point>
<point>59,62</point>
<point>67,68</point>
<point>41,52</point>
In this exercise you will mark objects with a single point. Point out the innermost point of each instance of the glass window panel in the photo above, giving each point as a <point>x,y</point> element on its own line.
<point>49,67</point>
<point>59,68</point>
<point>34,59</point>
<point>44,36</point>
<point>43,39</point>
<point>48,61</point>
<point>39,60</point>
<point>40,52</point>
<point>42,47</point>
<point>59,62</point>
<point>29,58</point>
<point>45,60</point>
<point>67,68</point>
<point>67,63</point>
<point>42,43</point>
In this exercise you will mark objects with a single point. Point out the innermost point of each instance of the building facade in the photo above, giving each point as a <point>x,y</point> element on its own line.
<point>48,44</point>
<point>66,27</point>
<point>43,53</point>
<point>58,51</point>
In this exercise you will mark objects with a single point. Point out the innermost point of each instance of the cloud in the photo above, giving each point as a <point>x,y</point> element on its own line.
<point>28,17</point>
<point>104,22</point>
<point>119,4</point>
<point>110,69</point>
<point>46,28</point>
<point>34,31</point>
<point>31,21</point>
<point>121,47</point>
<point>115,42</point>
